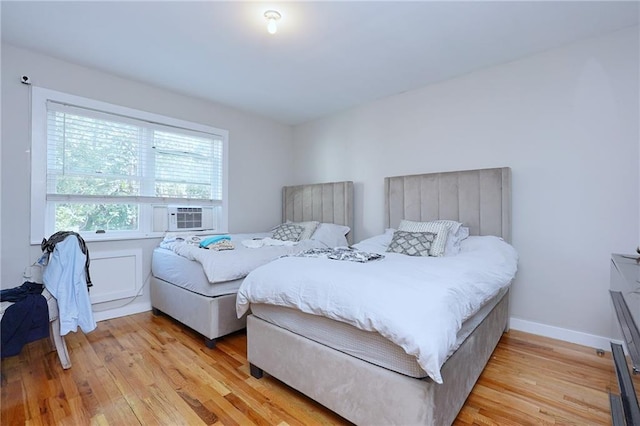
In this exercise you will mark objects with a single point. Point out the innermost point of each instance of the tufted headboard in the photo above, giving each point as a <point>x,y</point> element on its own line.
<point>480,199</point>
<point>325,202</point>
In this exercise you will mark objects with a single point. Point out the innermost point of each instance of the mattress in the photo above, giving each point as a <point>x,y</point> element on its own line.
<point>366,345</point>
<point>227,265</point>
<point>188,274</point>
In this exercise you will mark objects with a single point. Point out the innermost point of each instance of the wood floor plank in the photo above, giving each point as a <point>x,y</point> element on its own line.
<point>146,369</point>
<point>253,414</point>
<point>13,402</point>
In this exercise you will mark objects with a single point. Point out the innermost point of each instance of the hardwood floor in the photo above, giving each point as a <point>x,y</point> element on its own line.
<point>151,370</point>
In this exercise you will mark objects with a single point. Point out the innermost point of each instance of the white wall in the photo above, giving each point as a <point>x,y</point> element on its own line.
<point>565,121</point>
<point>253,143</point>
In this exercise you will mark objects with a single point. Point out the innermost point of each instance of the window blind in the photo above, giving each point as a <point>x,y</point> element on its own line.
<point>98,156</point>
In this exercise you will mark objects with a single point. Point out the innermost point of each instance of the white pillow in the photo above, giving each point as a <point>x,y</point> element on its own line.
<point>331,235</point>
<point>309,228</point>
<point>440,227</point>
<point>376,244</point>
<point>453,241</point>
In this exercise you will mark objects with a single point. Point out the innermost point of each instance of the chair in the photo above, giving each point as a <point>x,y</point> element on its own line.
<point>57,341</point>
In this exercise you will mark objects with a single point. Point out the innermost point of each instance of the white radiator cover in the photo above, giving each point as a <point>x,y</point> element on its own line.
<point>115,274</point>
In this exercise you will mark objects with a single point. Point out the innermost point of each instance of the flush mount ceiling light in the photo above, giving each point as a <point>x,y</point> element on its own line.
<point>272,17</point>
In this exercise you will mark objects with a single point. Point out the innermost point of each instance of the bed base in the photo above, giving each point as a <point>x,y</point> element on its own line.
<point>213,317</point>
<point>210,343</point>
<point>367,394</point>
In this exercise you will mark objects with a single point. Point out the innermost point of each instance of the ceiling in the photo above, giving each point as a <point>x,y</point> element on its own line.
<point>325,57</point>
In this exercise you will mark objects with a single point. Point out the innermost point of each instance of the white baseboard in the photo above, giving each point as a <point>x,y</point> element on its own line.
<point>577,337</point>
<point>571,336</point>
<point>134,308</point>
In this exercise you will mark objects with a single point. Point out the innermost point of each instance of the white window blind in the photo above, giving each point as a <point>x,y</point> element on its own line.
<point>106,166</point>
<point>97,155</point>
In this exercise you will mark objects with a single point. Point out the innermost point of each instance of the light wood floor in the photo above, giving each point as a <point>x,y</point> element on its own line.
<point>151,370</point>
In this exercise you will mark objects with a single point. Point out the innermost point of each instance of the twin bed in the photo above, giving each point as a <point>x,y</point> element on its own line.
<point>366,373</point>
<point>204,299</point>
<point>373,369</point>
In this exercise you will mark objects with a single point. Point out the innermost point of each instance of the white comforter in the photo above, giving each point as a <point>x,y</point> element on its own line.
<point>227,265</point>
<point>419,303</point>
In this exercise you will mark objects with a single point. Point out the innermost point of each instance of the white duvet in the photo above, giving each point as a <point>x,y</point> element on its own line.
<point>419,303</point>
<point>227,265</point>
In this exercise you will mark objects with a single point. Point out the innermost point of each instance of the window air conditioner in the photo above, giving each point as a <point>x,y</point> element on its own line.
<point>185,218</point>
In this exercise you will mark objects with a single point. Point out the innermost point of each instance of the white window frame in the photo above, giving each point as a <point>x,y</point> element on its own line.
<point>40,226</point>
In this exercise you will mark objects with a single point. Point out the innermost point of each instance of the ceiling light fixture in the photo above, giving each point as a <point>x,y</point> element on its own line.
<point>272,17</point>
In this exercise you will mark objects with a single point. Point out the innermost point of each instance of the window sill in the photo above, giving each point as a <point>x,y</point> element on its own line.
<point>90,238</point>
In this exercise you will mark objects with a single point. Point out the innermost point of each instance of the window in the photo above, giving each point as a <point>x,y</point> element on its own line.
<point>110,172</point>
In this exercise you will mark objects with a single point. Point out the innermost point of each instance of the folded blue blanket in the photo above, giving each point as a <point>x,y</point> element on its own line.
<point>214,239</point>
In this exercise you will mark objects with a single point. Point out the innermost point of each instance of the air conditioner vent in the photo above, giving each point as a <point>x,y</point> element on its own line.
<point>185,218</point>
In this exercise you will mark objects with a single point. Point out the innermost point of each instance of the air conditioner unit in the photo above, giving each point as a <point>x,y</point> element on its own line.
<point>187,218</point>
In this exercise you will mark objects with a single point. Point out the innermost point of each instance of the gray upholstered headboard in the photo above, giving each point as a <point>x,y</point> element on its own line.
<point>481,199</point>
<point>325,202</point>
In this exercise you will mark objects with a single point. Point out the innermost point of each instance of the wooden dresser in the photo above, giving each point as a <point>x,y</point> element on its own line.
<point>625,294</point>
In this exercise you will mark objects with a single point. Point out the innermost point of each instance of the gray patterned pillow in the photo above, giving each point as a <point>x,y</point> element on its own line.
<point>287,232</point>
<point>441,228</point>
<point>309,228</point>
<point>412,243</point>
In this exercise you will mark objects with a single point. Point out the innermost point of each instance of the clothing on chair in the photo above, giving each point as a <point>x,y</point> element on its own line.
<point>65,278</point>
<point>23,322</point>
<point>18,293</point>
<point>48,246</point>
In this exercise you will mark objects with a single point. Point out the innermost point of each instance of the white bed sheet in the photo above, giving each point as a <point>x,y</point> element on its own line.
<point>419,303</point>
<point>227,265</point>
<point>188,274</point>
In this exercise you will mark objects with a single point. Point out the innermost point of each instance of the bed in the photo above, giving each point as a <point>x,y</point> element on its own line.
<point>182,289</point>
<point>340,366</point>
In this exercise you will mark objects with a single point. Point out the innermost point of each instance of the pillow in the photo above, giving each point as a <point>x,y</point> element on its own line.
<point>441,228</point>
<point>376,244</point>
<point>331,235</point>
<point>309,228</point>
<point>412,243</point>
<point>462,234</point>
<point>454,226</point>
<point>453,241</point>
<point>287,232</point>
